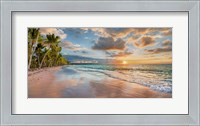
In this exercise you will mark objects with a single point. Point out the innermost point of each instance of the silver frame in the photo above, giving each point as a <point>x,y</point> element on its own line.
<point>192,7</point>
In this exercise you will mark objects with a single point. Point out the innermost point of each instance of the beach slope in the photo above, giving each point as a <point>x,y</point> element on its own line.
<point>66,82</point>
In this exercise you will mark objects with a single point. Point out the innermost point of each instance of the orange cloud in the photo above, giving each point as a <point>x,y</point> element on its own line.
<point>167,43</point>
<point>145,41</point>
<point>159,50</point>
<point>166,31</point>
<point>124,32</point>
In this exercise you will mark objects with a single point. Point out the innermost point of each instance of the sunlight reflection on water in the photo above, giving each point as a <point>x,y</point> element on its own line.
<point>76,81</point>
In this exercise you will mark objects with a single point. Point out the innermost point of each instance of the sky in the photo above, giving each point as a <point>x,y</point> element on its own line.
<point>132,45</point>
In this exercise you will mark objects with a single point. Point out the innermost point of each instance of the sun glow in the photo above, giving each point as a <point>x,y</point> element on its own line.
<point>124,62</point>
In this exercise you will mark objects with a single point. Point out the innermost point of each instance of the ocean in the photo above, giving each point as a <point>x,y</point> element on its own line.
<point>156,77</point>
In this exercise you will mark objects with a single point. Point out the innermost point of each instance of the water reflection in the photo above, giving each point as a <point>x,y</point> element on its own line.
<point>71,83</point>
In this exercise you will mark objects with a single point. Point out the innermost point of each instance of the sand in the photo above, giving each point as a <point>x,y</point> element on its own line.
<point>52,83</point>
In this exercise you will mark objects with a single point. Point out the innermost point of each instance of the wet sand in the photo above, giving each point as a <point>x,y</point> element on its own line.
<point>58,82</point>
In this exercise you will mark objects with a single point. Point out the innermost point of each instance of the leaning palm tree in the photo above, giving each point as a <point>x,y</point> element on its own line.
<point>39,51</point>
<point>51,41</point>
<point>33,35</point>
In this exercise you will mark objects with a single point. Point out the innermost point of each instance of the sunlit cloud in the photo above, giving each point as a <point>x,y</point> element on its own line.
<point>116,32</point>
<point>167,32</point>
<point>159,50</point>
<point>167,43</point>
<point>56,31</point>
<point>97,31</point>
<point>119,54</point>
<point>167,47</point>
<point>145,41</point>
<point>71,46</point>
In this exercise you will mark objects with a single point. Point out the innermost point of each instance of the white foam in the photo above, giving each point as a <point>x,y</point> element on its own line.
<point>158,85</point>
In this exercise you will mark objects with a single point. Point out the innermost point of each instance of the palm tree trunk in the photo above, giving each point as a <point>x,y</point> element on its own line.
<point>33,51</point>
<point>38,59</point>
<point>30,59</point>
<point>43,59</point>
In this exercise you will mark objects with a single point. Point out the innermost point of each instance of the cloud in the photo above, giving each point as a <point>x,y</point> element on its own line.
<point>157,32</point>
<point>169,33</point>
<point>134,38</point>
<point>167,47</point>
<point>56,31</point>
<point>81,51</point>
<point>109,44</point>
<point>159,50</point>
<point>145,41</point>
<point>117,32</point>
<point>71,46</point>
<point>166,31</point>
<point>122,33</point>
<point>97,31</point>
<point>167,43</point>
<point>141,30</point>
<point>161,30</point>
<point>118,54</point>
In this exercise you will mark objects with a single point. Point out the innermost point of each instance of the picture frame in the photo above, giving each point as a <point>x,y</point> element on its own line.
<point>8,7</point>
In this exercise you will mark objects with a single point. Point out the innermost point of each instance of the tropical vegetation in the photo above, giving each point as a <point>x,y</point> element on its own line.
<point>44,50</point>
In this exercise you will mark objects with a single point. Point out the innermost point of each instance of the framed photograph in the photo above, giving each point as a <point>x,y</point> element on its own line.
<point>100,63</point>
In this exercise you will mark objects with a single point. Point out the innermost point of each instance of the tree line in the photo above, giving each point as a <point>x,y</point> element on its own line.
<point>44,51</point>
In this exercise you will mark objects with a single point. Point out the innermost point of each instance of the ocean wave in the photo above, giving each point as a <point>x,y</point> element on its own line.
<point>153,69</point>
<point>161,85</point>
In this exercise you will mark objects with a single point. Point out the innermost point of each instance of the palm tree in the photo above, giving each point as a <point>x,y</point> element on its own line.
<point>44,51</point>
<point>56,54</point>
<point>61,60</point>
<point>52,40</point>
<point>39,53</point>
<point>33,35</point>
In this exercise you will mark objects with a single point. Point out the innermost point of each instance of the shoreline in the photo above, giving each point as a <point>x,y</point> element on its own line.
<point>44,84</point>
<point>35,71</point>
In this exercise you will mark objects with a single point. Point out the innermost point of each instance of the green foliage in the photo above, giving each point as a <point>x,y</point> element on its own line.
<point>44,51</point>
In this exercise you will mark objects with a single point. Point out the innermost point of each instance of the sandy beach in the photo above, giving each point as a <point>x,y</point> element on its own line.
<point>65,82</point>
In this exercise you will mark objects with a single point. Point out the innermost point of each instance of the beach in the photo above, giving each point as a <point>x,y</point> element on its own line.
<point>70,82</point>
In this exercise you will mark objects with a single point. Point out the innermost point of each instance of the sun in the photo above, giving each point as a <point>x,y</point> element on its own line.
<point>124,62</point>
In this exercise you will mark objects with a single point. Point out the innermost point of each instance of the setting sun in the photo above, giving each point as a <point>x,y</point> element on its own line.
<point>124,62</point>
